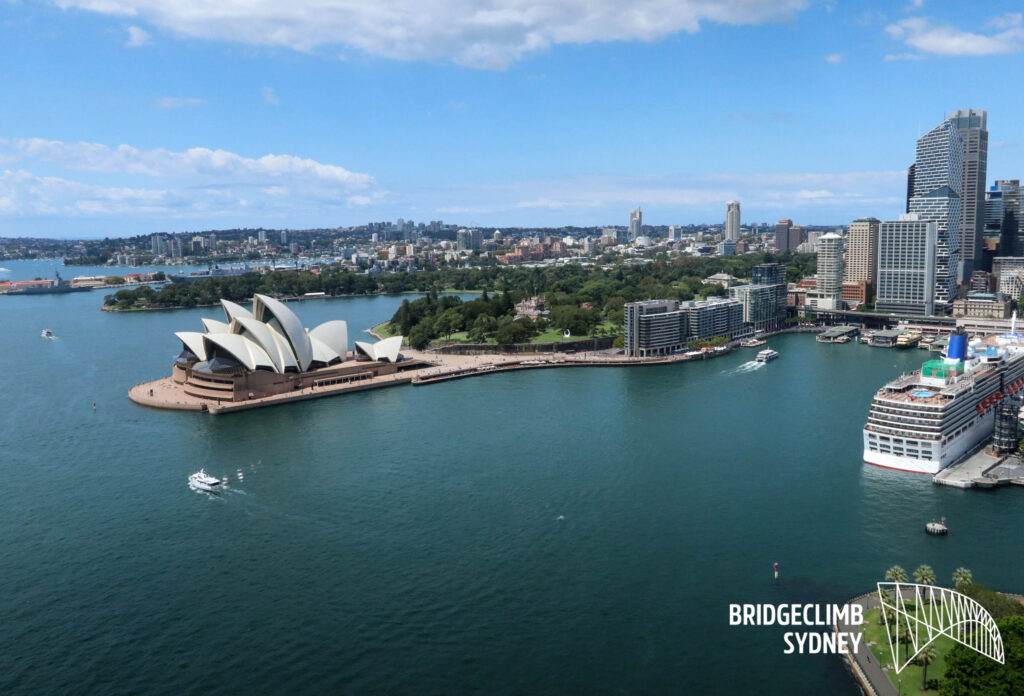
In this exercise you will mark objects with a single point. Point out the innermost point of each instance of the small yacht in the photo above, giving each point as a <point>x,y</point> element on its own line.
<point>204,482</point>
<point>753,342</point>
<point>767,355</point>
<point>47,334</point>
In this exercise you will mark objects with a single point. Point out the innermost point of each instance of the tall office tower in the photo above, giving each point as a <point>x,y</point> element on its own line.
<point>973,127</point>
<point>862,251</point>
<point>636,224</point>
<point>732,221</point>
<point>158,245</point>
<point>796,237</point>
<point>782,235</point>
<point>284,236</point>
<point>910,187</point>
<point>829,293</point>
<point>938,184</point>
<point>773,275</point>
<point>907,265</point>
<point>1009,213</point>
<point>263,236</point>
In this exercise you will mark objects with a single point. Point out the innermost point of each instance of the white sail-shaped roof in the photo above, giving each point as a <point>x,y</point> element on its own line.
<point>214,326</point>
<point>386,349</point>
<point>267,308</point>
<point>334,334</point>
<point>193,340</point>
<point>263,336</point>
<point>242,349</point>
<point>323,352</point>
<point>232,310</point>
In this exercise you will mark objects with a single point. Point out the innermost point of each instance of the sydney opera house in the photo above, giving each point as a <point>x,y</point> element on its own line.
<point>267,351</point>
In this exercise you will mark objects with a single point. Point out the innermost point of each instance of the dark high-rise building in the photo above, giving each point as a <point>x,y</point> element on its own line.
<point>973,127</point>
<point>796,237</point>
<point>1002,216</point>
<point>938,190</point>
<point>910,186</point>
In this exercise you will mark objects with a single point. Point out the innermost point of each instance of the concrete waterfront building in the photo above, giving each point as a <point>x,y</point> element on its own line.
<point>732,221</point>
<point>907,265</point>
<point>284,237</point>
<point>662,327</point>
<point>829,291</point>
<point>636,224</point>
<point>262,236</point>
<point>862,251</point>
<point>938,186</point>
<point>158,245</point>
<point>653,327</point>
<point>713,318</point>
<point>760,305</point>
<point>267,351</point>
<point>973,127</point>
<point>773,275</point>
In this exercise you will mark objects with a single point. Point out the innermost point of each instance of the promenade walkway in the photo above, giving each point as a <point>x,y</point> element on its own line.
<point>865,661</point>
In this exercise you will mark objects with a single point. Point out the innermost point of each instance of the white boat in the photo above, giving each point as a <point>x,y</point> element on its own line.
<point>767,355</point>
<point>753,342</point>
<point>47,334</point>
<point>204,482</point>
<point>930,419</point>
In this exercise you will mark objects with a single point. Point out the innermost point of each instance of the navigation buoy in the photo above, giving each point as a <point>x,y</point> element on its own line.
<point>93,405</point>
<point>776,567</point>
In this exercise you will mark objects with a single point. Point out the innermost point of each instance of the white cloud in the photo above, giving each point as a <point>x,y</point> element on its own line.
<point>1007,21</point>
<point>196,161</point>
<point>922,34</point>
<point>270,96</point>
<point>862,193</point>
<point>198,181</point>
<point>467,32</point>
<point>137,37</point>
<point>834,58</point>
<point>904,56</point>
<point>178,102</point>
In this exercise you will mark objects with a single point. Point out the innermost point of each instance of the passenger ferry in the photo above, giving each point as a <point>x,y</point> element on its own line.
<point>932,418</point>
<point>767,355</point>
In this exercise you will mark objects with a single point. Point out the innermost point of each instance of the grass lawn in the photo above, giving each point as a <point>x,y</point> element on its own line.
<point>549,336</point>
<point>383,330</point>
<point>911,674</point>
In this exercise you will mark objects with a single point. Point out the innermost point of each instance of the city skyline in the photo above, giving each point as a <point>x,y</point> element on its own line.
<point>127,118</point>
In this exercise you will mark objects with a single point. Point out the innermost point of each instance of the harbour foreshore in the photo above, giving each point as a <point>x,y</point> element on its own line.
<point>439,367</point>
<point>167,394</point>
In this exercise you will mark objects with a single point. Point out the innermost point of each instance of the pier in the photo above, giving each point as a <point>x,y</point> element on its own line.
<point>983,470</point>
<point>833,334</point>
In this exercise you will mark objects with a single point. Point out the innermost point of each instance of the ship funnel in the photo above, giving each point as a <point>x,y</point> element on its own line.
<point>957,345</point>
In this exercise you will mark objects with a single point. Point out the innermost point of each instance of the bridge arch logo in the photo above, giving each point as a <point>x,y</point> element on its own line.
<point>915,615</point>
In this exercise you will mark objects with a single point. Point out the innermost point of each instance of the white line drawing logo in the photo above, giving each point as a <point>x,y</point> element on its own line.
<point>915,615</point>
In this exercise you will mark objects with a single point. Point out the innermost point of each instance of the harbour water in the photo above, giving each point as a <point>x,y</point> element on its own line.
<point>554,531</point>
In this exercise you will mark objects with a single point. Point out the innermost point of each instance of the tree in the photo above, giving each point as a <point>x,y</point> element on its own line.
<point>925,657</point>
<point>896,574</point>
<point>924,575</point>
<point>962,578</point>
<point>969,673</point>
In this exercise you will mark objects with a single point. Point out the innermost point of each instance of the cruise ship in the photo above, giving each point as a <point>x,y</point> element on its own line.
<point>932,418</point>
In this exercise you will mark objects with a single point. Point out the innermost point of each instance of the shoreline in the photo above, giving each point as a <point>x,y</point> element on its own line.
<point>167,394</point>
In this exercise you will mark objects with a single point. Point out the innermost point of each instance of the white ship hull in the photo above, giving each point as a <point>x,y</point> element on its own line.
<point>951,453</point>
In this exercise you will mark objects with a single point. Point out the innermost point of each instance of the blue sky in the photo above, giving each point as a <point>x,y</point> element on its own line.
<point>123,117</point>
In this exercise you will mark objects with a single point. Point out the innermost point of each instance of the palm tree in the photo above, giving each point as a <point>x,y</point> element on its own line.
<point>924,575</point>
<point>962,578</point>
<point>896,574</point>
<point>927,656</point>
